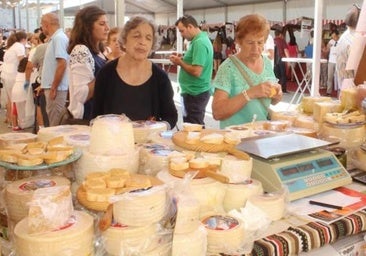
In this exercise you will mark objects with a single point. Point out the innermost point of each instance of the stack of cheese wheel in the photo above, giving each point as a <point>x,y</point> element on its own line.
<point>111,146</point>
<point>289,116</point>
<point>358,157</point>
<point>188,212</point>
<point>75,238</point>
<point>164,137</point>
<point>111,135</point>
<point>19,193</point>
<point>126,240</point>
<point>144,130</point>
<point>237,194</point>
<point>89,163</point>
<point>225,234</point>
<point>78,140</point>
<point>8,139</point>
<point>48,133</point>
<point>193,243</point>
<point>238,170</point>
<point>349,136</point>
<point>153,158</point>
<point>141,207</point>
<point>209,192</point>
<point>273,204</point>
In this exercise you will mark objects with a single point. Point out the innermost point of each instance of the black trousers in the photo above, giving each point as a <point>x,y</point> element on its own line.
<point>195,107</point>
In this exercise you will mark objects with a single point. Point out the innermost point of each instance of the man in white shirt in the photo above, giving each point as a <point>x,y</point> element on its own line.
<point>332,78</point>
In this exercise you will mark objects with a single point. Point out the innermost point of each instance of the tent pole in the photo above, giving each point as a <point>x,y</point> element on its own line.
<point>317,48</point>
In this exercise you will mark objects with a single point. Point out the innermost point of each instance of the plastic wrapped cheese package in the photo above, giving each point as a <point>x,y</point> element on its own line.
<point>225,234</point>
<point>144,130</point>
<point>74,238</point>
<point>90,162</point>
<point>49,209</point>
<point>111,135</point>
<point>349,136</point>
<point>237,195</point>
<point>193,243</point>
<point>121,239</point>
<point>19,193</point>
<point>153,158</point>
<point>140,207</point>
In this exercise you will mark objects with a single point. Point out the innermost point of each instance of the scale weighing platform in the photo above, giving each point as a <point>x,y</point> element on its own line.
<point>295,161</point>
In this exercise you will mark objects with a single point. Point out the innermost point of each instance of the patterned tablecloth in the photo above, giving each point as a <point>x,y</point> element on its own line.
<point>309,236</point>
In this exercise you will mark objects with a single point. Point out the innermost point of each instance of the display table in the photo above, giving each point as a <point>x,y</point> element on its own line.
<point>303,83</point>
<point>163,63</point>
<point>295,235</point>
<point>310,236</point>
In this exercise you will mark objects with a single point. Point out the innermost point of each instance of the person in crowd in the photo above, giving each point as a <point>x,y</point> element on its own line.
<point>113,44</point>
<point>332,59</point>
<point>14,53</point>
<point>132,84</point>
<point>22,100</point>
<point>196,70</point>
<point>324,53</point>
<point>245,84</point>
<point>293,51</point>
<point>217,47</point>
<point>281,51</point>
<point>86,49</point>
<point>344,44</point>
<point>55,77</point>
<point>308,51</point>
<point>269,48</point>
<point>33,74</point>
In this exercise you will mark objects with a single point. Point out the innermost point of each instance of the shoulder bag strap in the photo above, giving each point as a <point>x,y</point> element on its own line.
<point>245,76</point>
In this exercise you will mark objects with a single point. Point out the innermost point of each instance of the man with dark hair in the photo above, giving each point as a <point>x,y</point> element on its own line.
<point>281,51</point>
<point>196,70</point>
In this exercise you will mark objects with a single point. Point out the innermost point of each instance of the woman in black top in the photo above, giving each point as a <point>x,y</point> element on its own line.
<point>132,84</point>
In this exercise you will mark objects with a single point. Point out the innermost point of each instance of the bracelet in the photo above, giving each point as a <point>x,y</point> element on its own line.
<point>245,94</point>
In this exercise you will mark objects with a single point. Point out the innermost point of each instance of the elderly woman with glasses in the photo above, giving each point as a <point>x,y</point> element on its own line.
<point>245,84</point>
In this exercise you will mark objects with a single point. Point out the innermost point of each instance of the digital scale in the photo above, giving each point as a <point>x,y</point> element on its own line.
<point>295,161</point>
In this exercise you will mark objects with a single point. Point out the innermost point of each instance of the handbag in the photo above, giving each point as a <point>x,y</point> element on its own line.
<point>247,78</point>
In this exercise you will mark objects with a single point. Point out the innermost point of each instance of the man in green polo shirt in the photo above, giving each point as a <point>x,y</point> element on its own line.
<point>196,70</point>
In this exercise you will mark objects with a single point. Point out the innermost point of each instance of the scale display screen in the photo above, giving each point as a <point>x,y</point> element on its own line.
<point>304,173</point>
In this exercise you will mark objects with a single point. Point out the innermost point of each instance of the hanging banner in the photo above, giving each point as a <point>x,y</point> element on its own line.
<point>306,26</point>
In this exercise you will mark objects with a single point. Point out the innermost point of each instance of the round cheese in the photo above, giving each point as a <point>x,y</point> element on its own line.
<point>193,243</point>
<point>237,195</point>
<point>237,170</point>
<point>46,134</point>
<point>153,158</point>
<point>90,162</point>
<point>273,204</point>
<point>7,139</point>
<point>144,130</point>
<point>348,136</point>
<point>75,238</point>
<point>188,212</point>
<point>111,135</point>
<point>141,207</point>
<point>123,240</point>
<point>19,193</point>
<point>225,234</point>
<point>208,192</point>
